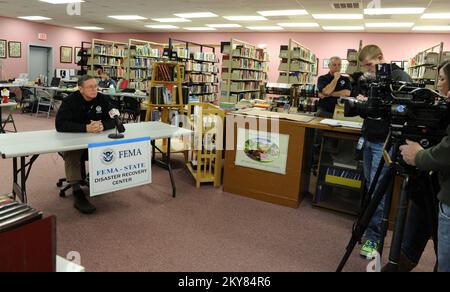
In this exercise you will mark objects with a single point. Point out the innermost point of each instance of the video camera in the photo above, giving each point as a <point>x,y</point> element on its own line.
<point>414,112</point>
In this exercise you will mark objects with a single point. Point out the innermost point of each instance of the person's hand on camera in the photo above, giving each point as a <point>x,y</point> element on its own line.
<point>321,95</point>
<point>95,127</point>
<point>362,98</point>
<point>409,152</point>
<point>337,75</point>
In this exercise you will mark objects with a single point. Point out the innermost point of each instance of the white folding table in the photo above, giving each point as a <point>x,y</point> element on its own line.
<point>27,146</point>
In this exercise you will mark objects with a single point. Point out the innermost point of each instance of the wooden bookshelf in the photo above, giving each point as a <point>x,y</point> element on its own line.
<point>423,67</point>
<point>107,56</point>
<point>298,64</point>
<point>139,63</point>
<point>244,70</point>
<point>166,74</point>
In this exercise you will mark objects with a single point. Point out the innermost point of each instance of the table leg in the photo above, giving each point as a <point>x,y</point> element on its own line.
<point>20,188</point>
<point>2,130</point>
<point>169,166</point>
<point>165,163</point>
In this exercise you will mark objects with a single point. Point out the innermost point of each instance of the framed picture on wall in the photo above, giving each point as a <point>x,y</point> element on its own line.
<point>66,54</point>
<point>76,57</point>
<point>3,46</point>
<point>15,49</point>
<point>326,62</point>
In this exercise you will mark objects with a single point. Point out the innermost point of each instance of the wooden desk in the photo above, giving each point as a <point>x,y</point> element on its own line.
<point>282,189</point>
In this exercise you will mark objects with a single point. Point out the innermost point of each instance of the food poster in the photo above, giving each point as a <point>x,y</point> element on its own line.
<point>262,150</point>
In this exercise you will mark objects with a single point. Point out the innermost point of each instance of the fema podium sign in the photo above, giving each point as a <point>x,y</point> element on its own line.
<point>119,165</point>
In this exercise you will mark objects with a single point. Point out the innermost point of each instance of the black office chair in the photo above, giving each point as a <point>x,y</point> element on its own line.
<point>131,110</point>
<point>85,177</point>
<point>28,101</point>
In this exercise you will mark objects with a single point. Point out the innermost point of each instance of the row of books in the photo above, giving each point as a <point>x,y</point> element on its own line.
<point>199,78</point>
<point>105,61</point>
<point>246,64</point>
<point>203,89</point>
<point>114,72</point>
<point>140,73</point>
<point>204,98</point>
<point>14,214</point>
<point>147,51</point>
<point>344,177</point>
<point>297,53</point>
<point>109,50</point>
<point>163,95</point>
<point>297,65</point>
<point>142,86</point>
<point>242,86</point>
<point>141,62</point>
<point>203,68</point>
<point>296,78</point>
<point>247,52</point>
<point>205,56</point>
<point>237,75</point>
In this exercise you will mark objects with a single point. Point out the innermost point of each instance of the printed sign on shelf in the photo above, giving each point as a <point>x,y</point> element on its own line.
<point>119,165</point>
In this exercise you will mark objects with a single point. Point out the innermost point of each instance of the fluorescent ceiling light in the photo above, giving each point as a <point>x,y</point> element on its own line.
<point>343,27</point>
<point>34,18</point>
<point>380,11</point>
<point>162,26</point>
<point>265,28</point>
<point>62,1</point>
<point>389,24</point>
<point>89,28</point>
<point>245,18</point>
<point>436,16</point>
<point>127,17</point>
<point>196,15</point>
<point>225,25</point>
<point>283,12</point>
<point>299,24</point>
<point>432,28</point>
<point>338,16</point>
<point>171,20</point>
<point>201,28</point>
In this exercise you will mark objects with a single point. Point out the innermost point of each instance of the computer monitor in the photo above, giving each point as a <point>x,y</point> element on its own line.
<point>55,82</point>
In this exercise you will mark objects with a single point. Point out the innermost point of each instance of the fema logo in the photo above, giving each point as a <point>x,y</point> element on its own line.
<point>108,156</point>
<point>99,109</point>
<point>342,82</point>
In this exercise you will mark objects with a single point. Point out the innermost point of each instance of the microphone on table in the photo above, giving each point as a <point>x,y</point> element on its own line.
<point>114,114</point>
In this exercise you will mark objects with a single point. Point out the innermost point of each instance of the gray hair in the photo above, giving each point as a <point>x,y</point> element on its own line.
<point>332,59</point>
<point>83,79</point>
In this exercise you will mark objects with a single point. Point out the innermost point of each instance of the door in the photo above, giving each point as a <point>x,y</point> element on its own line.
<point>39,60</point>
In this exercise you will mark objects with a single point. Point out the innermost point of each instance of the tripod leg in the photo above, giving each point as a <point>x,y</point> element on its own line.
<point>387,209</point>
<point>402,212</point>
<point>366,217</point>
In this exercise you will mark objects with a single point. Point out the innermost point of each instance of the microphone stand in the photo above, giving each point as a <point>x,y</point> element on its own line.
<point>116,135</point>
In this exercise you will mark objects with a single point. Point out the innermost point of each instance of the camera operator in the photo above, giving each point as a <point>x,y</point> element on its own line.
<point>374,133</point>
<point>331,87</point>
<point>434,159</point>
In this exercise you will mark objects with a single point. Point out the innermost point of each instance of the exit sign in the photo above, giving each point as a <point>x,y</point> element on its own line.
<point>42,36</point>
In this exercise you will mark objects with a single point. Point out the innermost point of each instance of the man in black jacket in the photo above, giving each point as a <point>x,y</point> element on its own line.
<point>85,111</point>
<point>375,132</point>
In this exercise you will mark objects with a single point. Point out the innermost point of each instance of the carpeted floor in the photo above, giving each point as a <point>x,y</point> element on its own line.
<point>145,229</point>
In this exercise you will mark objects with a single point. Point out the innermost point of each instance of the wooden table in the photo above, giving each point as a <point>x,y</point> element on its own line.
<point>282,189</point>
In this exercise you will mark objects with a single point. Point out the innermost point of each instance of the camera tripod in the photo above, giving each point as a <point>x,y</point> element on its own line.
<point>376,193</point>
